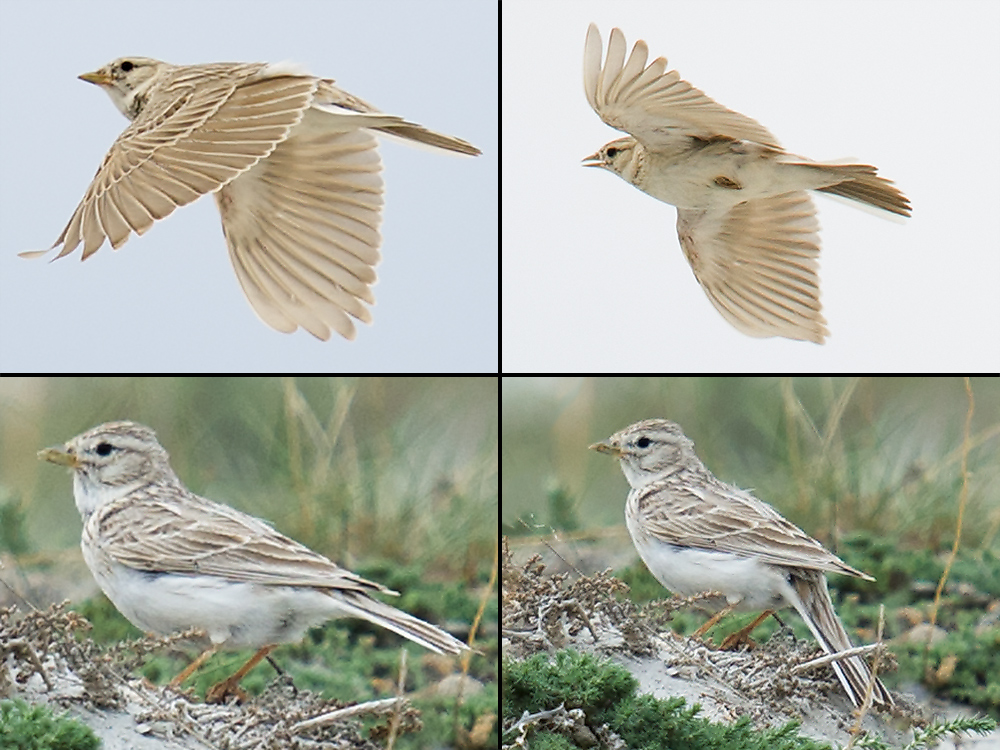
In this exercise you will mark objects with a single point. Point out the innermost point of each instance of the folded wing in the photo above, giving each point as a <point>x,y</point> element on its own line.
<point>717,519</point>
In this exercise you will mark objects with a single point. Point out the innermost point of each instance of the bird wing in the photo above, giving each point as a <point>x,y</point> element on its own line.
<point>654,106</point>
<point>302,228</point>
<point>719,519</point>
<point>205,126</point>
<point>175,533</point>
<point>758,263</point>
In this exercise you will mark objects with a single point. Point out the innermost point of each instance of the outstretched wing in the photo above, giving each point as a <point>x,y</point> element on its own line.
<point>654,106</point>
<point>302,228</point>
<point>206,130</point>
<point>758,264</point>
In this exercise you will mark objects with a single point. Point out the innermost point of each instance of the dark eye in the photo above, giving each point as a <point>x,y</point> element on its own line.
<point>104,449</point>
<point>126,66</point>
<point>612,153</point>
<point>642,442</point>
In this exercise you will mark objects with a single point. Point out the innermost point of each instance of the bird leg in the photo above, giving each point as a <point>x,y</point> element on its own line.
<point>190,668</point>
<point>741,636</point>
<point>220,691</point>
<point>714,619</point>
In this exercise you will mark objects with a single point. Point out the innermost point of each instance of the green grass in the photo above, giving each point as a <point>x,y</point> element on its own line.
<point>607,693</point>
<point>36,727</point>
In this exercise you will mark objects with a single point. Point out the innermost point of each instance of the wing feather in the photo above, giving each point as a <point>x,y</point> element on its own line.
<point>758,263</point>
<point>204,130</point>
<point>656,107</point>
<point>718,519</point>
<point>158,535</point>
<point>303,229</point>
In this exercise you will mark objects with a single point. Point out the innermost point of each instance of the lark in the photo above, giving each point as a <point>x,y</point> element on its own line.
<point>170,560</point>
<point>697,535</point>
<point>291,160</point>
<point>745,221</point>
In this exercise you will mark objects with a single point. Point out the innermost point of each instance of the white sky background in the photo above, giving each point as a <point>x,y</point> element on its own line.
<point>593,276</point>
<point>169,300</point>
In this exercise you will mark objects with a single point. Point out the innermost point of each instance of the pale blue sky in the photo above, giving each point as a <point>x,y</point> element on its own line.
<point>169,300</point>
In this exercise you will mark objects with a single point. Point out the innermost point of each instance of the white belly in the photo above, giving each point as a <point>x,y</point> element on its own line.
<point>749,584</point>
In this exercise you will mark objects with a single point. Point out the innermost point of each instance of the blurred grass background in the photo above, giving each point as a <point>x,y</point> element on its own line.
<point>394,478</point>
<point>831,454</point>
<point>402,468</point>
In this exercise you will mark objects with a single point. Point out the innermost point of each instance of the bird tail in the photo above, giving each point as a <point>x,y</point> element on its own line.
<point>427,635</point>
<point>816,608</point>
<point>865,186</point>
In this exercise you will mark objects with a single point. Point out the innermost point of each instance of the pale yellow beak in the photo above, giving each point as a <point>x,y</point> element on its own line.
<point>59,455</point>
<point>606,447</point>
<point>98,77</point>
<point>594,160</point>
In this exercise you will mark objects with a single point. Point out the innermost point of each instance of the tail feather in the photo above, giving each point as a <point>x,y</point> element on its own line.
<point>398,621</point>
<point>816,608</point>
<point>874,190</point>
<point>418,133</point>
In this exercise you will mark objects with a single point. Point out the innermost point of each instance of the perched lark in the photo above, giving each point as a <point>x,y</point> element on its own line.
<point>291,160</point>
<point>697,535</point>
<point>170,560</point>
<point>744,219</point>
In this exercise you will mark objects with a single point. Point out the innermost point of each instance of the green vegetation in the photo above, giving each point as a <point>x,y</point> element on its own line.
<point>13,536</point>
<point>24,727</point>
<point>606,693</point>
